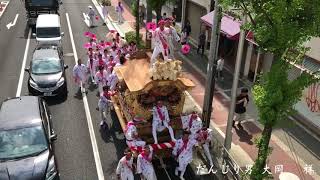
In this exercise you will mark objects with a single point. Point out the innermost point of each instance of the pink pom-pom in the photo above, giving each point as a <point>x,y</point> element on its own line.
<point>87,45</point>
<point>87,34</point>
<point>107,43</point>
<point>151,26</point>
<point>185,49</point>
<point>93,36</point>
<point>97,17</point>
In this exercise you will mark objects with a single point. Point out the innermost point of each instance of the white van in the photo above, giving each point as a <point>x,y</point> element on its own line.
<point>48,29</point>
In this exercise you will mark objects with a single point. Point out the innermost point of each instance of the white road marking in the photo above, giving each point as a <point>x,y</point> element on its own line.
<point>14,22</point>
<point>87,111</point>
<point>86,19</point>
<point>23,65</point>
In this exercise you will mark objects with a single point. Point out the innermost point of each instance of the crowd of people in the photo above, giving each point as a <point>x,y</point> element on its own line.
<point>194,134</point>
<point>103,57</point>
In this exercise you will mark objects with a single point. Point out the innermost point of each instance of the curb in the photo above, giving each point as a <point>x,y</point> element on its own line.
<point>108,21</point>
<point>5,3</point>
<point>220,90</point>
<point>110,24</point>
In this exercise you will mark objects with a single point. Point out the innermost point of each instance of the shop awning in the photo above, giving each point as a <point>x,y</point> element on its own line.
<point>229,26</point>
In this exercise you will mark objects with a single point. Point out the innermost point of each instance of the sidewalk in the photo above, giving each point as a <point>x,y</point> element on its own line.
<point>129,23</point>
<point>243,149</point>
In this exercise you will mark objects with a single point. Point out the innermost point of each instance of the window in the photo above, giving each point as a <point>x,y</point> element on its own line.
<point>51,32</point>
<point>42,2</point>
<point>23,142</point>
<point>46,66</point>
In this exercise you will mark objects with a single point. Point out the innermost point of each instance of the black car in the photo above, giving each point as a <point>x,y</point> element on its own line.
<point>47,72</point>
<point>26,140</point>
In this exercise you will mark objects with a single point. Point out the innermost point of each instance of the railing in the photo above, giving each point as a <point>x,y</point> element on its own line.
<point>224,161</point>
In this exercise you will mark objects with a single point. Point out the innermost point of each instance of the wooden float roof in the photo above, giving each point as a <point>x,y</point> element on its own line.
<point>135,73</point>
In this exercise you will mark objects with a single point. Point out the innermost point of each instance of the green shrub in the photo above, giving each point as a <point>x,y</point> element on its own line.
<point>105,2</point>
<point>131,36</point>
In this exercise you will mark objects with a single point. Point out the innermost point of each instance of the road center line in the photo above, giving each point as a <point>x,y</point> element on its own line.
<point>87,111</point>
<point>23,65</point>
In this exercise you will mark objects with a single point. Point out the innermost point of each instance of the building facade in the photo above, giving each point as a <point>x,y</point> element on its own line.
<point>308,107</point>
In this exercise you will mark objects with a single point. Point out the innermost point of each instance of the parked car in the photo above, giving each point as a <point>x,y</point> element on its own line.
<point>48,29</point>
<point>26,140</point>
<point>47,71</point>
<point>35,8</point>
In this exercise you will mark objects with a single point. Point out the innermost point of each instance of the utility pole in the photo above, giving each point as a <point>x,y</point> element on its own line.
<point>183,12</point>
<point>211,68</point>
<point>149,12</point>
<point>138,22</point>
<point>228,139</point>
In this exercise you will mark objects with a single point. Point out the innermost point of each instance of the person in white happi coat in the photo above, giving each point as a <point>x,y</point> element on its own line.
<point>192,123</point>
<point>92,15</point>
<point>113,51</point>
<point>79,73</point>
<point>92,68</point>
<point>118,55</point>
<point>120,10</point>
<point>144,165</point>
<point>112,81</point>
<point>161,44</point>
<point>161,121</point>
<point>125,167</point>
<point>101,78</point>
<point>105,13</point>
<point>120,42</point>
<point>183,151</point>
<point>104,104</point>
<point>105,55</point>
<point>204,137</point>
<point>92,53</point>
<point>111,61</point>
<point>121,62</point>
<point>101,61</point>
<point>172,37</point>
<point>131,133</point>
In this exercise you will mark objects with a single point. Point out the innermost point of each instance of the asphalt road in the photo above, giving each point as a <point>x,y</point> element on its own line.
<point>73,148</point>
<point>74,151</point>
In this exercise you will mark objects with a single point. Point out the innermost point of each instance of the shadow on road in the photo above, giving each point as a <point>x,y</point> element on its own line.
<point>26,31</point>
<point>244,135</point>
<point>55,100</point>
<point>112,133</point>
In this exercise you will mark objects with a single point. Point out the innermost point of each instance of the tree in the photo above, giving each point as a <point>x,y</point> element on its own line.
<point>156,5</point>
<point>280,27</point>
<point>135,7</point>
<point>137,22</point>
